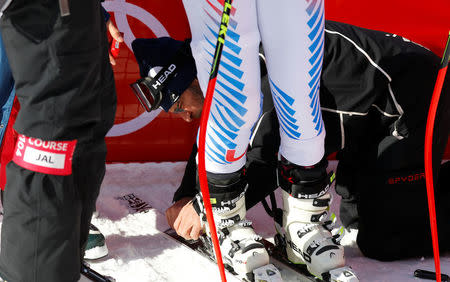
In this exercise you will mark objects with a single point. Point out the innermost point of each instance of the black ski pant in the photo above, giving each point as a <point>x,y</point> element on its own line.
<point>65,86</point>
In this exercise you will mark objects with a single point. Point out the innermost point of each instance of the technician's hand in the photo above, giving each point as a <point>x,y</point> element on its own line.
<point>116,34</point>
<point>183,218</point>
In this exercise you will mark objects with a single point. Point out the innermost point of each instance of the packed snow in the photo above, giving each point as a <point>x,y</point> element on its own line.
<point>139,251</point>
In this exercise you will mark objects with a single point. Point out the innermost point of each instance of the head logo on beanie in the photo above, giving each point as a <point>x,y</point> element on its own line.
<point>167,69</point>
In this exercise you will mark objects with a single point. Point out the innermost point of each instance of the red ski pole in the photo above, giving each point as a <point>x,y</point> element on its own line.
<point>202,135</point>
<point>429,155</point>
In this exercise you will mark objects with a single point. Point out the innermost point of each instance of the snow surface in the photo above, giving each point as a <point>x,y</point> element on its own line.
<point>139,251</point>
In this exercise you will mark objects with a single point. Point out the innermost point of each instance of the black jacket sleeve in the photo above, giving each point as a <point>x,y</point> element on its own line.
<point>188,186</point>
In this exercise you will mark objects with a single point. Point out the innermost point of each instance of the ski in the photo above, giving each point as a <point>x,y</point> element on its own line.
<point>288,272</point>
<point>136,205</point>
<point>93,275</point>
<point>278,269</point>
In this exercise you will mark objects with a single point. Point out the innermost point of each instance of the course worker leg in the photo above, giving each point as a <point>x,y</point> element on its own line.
<point>60,84</point>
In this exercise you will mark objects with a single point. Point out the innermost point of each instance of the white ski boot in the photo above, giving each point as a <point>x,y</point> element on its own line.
<point>305,226</point>
<point>308,241</point>
<point>241,247</point>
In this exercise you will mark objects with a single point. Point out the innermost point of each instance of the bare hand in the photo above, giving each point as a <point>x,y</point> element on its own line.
<point>183,218</point>
<point>116,34</point>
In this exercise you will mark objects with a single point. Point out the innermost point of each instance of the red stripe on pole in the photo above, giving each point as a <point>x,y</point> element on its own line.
<point>202,135</point>
<point>429,160</point>
<point>202,175</point>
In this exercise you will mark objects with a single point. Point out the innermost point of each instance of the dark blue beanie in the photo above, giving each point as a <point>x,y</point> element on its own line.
<point>160,52</point>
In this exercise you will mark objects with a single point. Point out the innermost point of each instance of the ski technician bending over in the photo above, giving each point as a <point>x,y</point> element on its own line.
<point>294,67</point>
<point>58,53</point>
